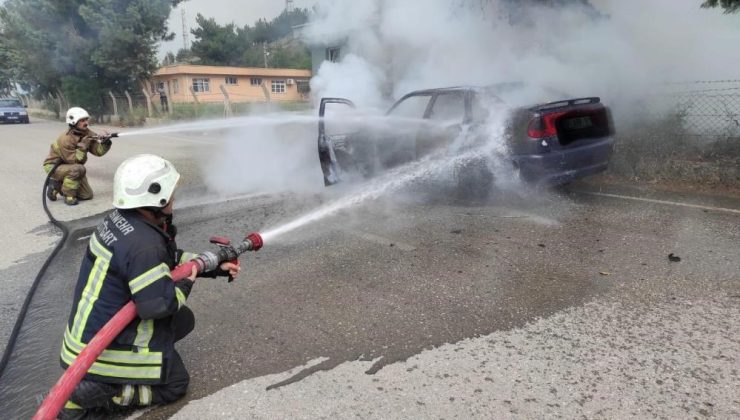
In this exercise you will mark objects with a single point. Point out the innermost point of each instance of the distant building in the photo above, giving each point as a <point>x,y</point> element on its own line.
<point>186,82</point>
<point>321,53</point>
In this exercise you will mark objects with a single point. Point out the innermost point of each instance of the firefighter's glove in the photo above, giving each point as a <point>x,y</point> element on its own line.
<point>105,138</point>
<point>82,146</point>
<point>228,269</point>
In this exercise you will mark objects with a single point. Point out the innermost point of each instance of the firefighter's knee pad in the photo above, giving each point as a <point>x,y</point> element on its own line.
<point>77,171</point>
<point>173,391</point>
<point>93,394</point>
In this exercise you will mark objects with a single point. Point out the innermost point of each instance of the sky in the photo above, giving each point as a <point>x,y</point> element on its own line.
<point>240,12</point>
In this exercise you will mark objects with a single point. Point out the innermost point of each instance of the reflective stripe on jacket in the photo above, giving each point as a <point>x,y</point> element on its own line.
<point>73,146</point>
<point>126,259</point>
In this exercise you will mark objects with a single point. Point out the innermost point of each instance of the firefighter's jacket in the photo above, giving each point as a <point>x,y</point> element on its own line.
<point>74,145</point>
<point>127,259</point>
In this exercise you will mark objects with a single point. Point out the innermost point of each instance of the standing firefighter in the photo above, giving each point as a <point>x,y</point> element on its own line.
<point>129,257</point>
<point>70,150</point>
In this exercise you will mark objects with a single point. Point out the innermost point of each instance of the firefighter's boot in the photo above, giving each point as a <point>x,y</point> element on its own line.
<point>89,400</point>
<point>51,193</point>
<point>70,200</point>
<point>72,411</point>
<point>53,190</point>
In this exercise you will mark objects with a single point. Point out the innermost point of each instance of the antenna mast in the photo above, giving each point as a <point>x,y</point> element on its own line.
<point>185,31</point>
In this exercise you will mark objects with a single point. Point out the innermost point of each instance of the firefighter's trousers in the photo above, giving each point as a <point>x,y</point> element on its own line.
<point>71,180</point>
<point>98,395</point>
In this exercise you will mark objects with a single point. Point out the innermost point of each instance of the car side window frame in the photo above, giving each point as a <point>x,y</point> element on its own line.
<point>471,99</point>
<point>427,109</point>
<point>466,104</point>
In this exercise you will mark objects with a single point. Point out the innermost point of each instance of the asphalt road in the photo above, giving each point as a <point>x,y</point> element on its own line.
<point>415,306</point>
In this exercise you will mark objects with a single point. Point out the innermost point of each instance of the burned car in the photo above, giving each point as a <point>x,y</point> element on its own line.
<point>13,111</point>
<point>552,142</point>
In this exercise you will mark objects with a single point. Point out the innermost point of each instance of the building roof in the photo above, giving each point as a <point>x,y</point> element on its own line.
<point>230,71</point>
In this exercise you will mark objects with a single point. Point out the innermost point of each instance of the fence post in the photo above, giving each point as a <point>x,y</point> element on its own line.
<point>115,105</point>
<point>169,98</point>
<point>148,102</point>
<point>227,103</point>
<point>130,102</point>
<point>265,91</point>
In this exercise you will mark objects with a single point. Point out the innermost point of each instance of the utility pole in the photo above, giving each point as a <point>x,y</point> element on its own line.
<point>265,53</point>
<point>288,6</point>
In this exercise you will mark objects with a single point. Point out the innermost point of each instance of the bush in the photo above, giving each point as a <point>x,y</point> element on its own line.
<point>192,111</point>
<point>135,119</point>
<point>661,149</point>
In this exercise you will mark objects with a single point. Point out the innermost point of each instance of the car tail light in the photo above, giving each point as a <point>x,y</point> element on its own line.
<point>544,125</point>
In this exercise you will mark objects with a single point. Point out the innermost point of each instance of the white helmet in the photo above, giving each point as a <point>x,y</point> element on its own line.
<point>144,181</point>
<point>75,114</point>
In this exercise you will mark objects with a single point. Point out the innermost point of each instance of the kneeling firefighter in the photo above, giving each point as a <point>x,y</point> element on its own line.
<point>129,257</point>
<point>70,152</point>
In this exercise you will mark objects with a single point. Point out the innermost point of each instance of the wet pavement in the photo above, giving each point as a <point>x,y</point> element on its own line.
<point>552,305</point>
<point>542,305</point>
<point>347,292</point>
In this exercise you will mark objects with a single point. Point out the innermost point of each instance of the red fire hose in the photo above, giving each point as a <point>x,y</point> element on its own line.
<point>64,387</point>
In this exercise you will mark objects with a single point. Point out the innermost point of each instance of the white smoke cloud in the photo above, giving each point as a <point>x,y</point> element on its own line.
<point>354,74</point>
<point>390,47</point>
<point>412,44</point>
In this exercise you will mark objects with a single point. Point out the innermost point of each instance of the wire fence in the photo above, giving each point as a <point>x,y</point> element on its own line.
<point>708,109</point>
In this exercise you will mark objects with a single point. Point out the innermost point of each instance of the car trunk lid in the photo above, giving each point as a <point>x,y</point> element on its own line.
<point>571,122</point>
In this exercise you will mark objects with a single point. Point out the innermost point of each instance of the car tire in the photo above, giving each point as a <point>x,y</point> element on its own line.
<point>475,181</point>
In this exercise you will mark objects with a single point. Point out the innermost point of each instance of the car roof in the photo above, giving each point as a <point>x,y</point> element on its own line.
<point>495,88</point>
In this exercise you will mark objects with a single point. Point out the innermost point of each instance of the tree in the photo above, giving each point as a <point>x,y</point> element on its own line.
<point>232,46</point>
<point>6,71</point>
<point>80,46</point>
<point>292,55</point>
<point>169,59</point>
<point>216,44</point>
<point>730,6</point>
<point>186,56</point>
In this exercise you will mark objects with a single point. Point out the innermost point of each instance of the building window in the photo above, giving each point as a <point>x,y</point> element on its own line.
<point>278,86</point>
<point>303,86</point>
<point>230,80</point>
<point>175,86</point>
<point>256,81</point>
<point>332,54</point>
<point>201,85</point>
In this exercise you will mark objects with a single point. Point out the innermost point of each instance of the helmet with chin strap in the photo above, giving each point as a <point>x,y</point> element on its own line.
<point>144,181</point>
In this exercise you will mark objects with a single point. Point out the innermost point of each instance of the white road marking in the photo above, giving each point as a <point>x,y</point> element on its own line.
<point>671,203</point>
